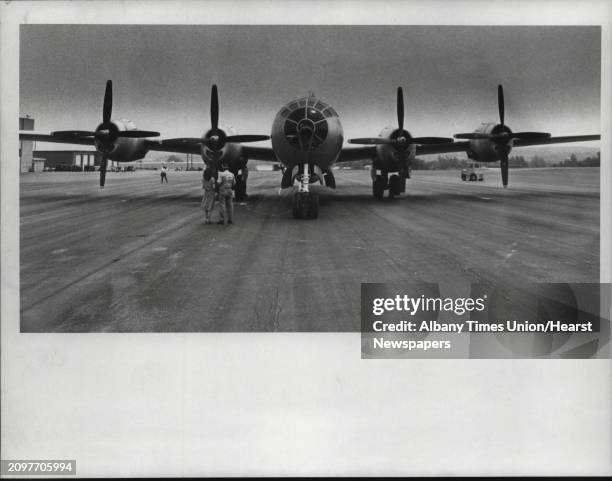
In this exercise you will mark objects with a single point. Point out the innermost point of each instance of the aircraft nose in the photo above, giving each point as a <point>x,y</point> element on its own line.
<point>306,130</point>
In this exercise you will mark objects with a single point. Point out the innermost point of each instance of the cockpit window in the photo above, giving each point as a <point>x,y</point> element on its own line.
<point>330,112</point>
<point>306,127</point>
<point>315,115</point>
<point>302,113</point>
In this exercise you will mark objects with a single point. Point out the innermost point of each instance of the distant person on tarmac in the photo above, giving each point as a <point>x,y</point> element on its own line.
<point>164,174</point>
<point>210,191</point>
<point>225,187</point>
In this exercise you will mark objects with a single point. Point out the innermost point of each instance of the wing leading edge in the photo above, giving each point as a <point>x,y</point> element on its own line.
<point>364,153</point>
<point>255,153</point>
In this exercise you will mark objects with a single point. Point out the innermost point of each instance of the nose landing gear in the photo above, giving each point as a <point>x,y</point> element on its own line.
<point>305,203</point>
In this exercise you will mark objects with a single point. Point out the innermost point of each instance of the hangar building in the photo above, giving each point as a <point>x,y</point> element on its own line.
<point>85,159</point>
<point>25,146</point>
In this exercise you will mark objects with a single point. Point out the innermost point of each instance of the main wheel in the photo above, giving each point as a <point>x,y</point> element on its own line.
<point>394,186</point>
<point>305,205</point>
<point>378,187</point>
<point>314,206</point>
<point>463,177</point>
<point>473,177</point>
<point>240,189</point>
<point>297,206</point>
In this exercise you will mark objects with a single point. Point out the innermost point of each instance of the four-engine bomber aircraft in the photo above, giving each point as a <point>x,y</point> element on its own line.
<point>307,139</point>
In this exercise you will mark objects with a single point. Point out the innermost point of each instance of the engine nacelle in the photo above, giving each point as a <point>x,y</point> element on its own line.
<point>121,149</point>
<point>484,150</point>
<point>230,154</point>
<point>389,158</point>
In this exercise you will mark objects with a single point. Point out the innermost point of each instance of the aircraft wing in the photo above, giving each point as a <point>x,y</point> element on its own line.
<point>442,148</point>
<point>555,140</point>
<point>259,153</point>
<point>40,137</point>
<point>357,153</point>
<point>186,148</point>
<point>255,153</point>
<point>251,153</point>
<point>362,153</point>
<point>463,146</point>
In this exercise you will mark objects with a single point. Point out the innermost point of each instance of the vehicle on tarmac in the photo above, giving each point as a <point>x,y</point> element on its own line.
<point>472,172</point>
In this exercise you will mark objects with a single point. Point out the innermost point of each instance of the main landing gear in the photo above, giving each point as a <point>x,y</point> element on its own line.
<point>240,188</point>
<point>305,203</point>
<point>382,182</point>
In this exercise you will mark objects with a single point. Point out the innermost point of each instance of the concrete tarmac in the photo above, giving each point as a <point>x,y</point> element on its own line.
<point>137,257</point>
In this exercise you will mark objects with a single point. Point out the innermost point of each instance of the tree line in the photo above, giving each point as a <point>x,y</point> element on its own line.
<point>445,162</point>
<point>448,162</point>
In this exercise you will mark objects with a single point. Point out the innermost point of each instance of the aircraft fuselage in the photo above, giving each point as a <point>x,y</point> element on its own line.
<point>307,133</point>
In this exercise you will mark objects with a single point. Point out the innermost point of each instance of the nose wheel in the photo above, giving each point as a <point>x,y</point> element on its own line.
<point>305,203</point>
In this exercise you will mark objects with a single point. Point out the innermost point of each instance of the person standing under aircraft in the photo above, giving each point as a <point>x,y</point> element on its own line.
<point>208,201</point>
<point>164,175</point>
<point>225,187</point>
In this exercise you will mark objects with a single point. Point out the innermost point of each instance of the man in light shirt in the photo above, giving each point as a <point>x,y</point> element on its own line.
<point>225,185</point>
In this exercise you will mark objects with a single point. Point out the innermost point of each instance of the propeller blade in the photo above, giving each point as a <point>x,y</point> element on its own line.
<point>137,134</point>
<point>107,108</point>
<point>103,171</point>
<point>71,134</point>
<point>372,141</point>
<point>214,108</point>
<point>504,170</point>
<point>183,141</point>
<point>400,108</point>
<point>429,140</point>
<point>246,138</point>
<point>530,135</point>
<point>500,103</point>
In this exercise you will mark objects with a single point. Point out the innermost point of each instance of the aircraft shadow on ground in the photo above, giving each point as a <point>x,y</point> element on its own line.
<point>326,199</point>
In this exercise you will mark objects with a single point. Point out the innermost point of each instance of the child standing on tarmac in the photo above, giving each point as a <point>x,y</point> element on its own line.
<point>208,201</point>
<point>226,195</point>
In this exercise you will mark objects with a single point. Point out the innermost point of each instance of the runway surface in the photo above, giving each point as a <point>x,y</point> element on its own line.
<point>136,256</point>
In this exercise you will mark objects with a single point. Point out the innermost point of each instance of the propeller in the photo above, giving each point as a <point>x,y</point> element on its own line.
<point>502,136</point>
<point>400,108</point>
<point>103,163</point>
<point>215,139</point>
<point>400,138</point>
<point>106,133</point>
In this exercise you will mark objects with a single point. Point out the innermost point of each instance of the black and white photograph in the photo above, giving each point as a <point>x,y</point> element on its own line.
<point>352,154</point>
<point>200,197</point>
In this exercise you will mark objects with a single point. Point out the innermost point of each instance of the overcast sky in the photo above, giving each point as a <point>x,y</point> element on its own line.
<point>162,76</point>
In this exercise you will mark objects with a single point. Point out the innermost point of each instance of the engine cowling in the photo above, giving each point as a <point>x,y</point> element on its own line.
<point>486,150</point>
<point>120,149</point>
<point>392,158</point>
